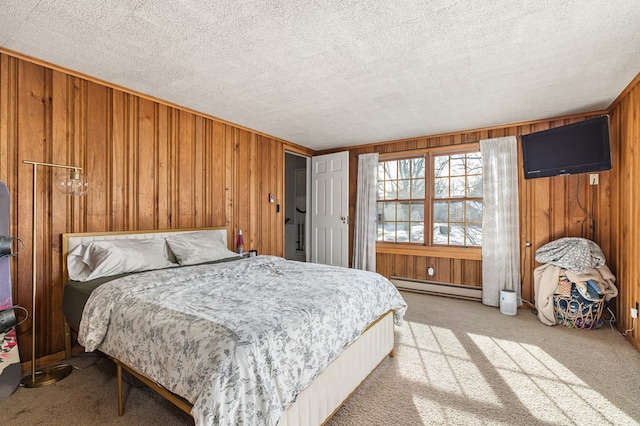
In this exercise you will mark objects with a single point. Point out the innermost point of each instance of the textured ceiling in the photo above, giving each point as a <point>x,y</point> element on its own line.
<point>330,73</point>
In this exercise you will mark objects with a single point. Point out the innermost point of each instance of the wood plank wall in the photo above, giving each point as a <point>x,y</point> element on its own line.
<point>625,203</point>
<point>156,165</point>
<point>548,208</point>
<point>150,165</point>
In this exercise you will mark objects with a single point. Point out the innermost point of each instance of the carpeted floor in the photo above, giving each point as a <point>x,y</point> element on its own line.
<point>457,363</point>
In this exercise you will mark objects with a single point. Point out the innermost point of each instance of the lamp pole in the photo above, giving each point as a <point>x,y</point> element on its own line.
<point>58,372</point>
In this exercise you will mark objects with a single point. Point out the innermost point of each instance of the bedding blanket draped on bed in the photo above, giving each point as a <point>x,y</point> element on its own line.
<point>239,340</point>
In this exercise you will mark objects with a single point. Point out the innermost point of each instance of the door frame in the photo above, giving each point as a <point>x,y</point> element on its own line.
<point>307,216</point>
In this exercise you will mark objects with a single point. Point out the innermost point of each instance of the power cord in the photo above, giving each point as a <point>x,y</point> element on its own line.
<point>612,320</point>
<point>534,310</point>
<point>633,326</point>
<point>589,215</point>
<point>99,358</point>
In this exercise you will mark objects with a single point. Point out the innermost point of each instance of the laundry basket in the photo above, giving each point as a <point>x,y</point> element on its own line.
<point>582,308</point>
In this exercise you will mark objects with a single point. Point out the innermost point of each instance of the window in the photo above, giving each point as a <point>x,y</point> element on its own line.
<point>401,196</point>
<point>433,200</point>
<point>457,199</point>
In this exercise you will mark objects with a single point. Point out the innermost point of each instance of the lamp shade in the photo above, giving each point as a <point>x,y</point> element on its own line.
<point>72,183</point>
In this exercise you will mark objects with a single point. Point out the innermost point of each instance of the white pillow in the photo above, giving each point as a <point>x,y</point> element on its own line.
<point>110,257</point>
<point>201,246</point>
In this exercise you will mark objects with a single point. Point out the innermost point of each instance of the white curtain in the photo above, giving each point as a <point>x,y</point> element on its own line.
<point>500,219</point>
<point>364,244</point>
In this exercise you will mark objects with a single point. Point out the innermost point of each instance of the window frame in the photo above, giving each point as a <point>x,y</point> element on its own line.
<point>428,248</point>
<point>410,200</point>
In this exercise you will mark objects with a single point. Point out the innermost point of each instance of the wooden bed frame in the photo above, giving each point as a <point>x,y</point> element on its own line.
<point>315,404</point>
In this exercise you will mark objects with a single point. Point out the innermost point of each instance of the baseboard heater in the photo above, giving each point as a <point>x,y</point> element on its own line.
<point>439,289</point>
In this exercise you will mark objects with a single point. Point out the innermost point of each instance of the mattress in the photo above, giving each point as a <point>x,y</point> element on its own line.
<point>76,293</point>
<point>75,297</point>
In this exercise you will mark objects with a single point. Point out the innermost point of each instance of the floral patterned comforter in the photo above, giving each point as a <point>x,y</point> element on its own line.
<point>239,340</point>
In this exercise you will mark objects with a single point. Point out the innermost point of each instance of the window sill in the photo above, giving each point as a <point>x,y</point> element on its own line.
<point>466,253</point>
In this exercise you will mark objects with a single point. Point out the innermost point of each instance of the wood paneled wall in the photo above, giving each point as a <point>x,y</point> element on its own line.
<point>150,165</point>
<point>549,208</point>
<point>156,165</point>
<point>625,202</point>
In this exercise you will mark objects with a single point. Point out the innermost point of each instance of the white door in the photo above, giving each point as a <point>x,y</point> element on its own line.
<point>330,209</point>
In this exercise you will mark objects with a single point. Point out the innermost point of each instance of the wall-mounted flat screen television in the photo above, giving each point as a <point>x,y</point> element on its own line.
<point>575,148</point>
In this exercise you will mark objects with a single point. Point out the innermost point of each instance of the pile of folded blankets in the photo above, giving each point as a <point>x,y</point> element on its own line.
<point>574,276</point>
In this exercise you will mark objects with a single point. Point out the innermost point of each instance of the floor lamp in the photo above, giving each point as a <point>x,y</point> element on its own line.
<point>68,183</point>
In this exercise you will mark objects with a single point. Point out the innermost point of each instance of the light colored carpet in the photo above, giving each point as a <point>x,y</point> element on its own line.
<point>462,363</point>
<point>457,363</point>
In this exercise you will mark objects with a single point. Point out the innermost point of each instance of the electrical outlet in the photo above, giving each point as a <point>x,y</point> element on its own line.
<point>634,312</point>
<point>594,179</point>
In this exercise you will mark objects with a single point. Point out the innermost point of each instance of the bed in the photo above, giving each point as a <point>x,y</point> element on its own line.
<point>229,340</point>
